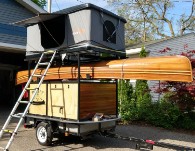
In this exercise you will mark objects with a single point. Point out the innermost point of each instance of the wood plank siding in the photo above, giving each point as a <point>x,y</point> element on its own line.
<point>97,98</point>
<point>10,12</point>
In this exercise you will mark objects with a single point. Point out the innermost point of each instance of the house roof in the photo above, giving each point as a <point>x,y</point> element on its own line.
<point>18,48</point>
<point>10,47</point>
<point>155,41</point>
<point>31,6</point>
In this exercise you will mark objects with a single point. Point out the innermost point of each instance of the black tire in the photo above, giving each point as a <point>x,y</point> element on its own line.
<point>44,134</point>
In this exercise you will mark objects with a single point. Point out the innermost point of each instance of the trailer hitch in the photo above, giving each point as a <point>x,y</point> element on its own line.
<point>147,144</point>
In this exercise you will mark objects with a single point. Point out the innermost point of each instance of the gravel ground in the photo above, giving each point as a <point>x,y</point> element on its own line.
<point>26,140</point>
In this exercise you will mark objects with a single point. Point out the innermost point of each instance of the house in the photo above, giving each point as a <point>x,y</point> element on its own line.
<point>13,44</point>
<point>170,46</point>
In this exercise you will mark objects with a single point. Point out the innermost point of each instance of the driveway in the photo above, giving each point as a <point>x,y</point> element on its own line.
<point>26,140</point>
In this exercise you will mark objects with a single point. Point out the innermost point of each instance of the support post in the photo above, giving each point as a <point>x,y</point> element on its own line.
<point>78,114</point>
<point>49,6</point>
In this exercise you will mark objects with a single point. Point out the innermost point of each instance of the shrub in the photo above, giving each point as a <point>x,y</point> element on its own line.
<point>187,121</point>
<point>143,99</point>
<point>164,114</point>
<point>126,100</point>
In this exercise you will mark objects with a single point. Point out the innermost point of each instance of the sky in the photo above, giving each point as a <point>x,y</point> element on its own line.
<point>181,6</point>
<point>62,4</point>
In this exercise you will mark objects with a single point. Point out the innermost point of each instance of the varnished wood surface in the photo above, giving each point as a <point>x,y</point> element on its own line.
<point>61,100</point>
<point>169,68</point>
<point>97,98</point>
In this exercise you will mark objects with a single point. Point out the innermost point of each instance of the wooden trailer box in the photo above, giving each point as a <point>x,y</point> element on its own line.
<point>73,100</point>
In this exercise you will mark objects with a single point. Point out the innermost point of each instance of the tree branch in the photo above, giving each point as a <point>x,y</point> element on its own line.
<point>185,21</point>
<point>151,22</point>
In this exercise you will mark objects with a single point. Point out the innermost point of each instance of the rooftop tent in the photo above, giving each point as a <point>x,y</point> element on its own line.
<point>78,28</point>
<point>52,32</point>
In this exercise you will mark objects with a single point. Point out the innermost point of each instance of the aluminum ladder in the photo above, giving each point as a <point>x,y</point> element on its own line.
<point>21,116</point>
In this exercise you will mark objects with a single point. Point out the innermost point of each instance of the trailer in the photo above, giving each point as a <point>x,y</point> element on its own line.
<point>57,111</point>
<point>72,108</point>
<point>80,63</point>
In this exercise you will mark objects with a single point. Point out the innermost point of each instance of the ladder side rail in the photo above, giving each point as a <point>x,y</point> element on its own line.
<point>33,96</point>
<point>21,120</point>
<point>47,68</point>
<point>19,99</point>
<point>40,82</point>
<point>31,100</point>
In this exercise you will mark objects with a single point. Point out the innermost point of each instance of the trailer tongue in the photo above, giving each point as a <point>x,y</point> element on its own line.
<point>147,144</point>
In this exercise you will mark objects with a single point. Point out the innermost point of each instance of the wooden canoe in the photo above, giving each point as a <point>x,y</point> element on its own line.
<point>168,68</point>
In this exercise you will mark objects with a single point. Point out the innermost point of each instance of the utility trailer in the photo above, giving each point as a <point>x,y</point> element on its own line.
<point>72,101</point>
<point>64,108</point>
<point>72,108</point>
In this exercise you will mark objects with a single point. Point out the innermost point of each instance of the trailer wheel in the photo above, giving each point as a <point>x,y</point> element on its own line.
<point>44,134</point>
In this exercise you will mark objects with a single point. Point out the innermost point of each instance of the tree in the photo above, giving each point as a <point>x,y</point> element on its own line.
<point>40,3</point>
<point>148,19</point>
<point>142,94</point>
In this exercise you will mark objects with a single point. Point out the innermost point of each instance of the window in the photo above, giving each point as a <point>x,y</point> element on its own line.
<point>109,32</point>
<point>52,29</point>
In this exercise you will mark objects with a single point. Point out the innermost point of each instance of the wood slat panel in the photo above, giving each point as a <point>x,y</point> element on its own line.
<point>97,98</point>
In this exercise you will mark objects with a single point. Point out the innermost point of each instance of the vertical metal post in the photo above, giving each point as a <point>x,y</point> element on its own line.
<point>49,6</point>
<point>29,65</point>
<point>116,97</point>
<point>78,115</point>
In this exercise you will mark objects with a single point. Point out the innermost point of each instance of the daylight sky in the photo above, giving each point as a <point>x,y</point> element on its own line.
<point>61,4</point>
<point>181,6</point>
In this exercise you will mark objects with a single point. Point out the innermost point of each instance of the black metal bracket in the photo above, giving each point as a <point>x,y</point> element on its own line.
<point>38,102</point>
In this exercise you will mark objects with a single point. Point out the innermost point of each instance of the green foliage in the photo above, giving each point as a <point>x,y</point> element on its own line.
<point>166,114</point>
<point>163,114</point>
<point>40,3</point>
<point>143,52</point>
<point>126,100</point>
<point>142,93</point>
<point>143,98</point>
<point>186,122</point>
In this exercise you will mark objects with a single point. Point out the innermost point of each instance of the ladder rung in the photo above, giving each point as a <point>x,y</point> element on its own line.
<point>43,63</point>
<point>7,131</point>
<point>49,52</point>
<point>31,88</point>
<point>24,102</point>
<point>16,116</point>
<point>37,75</point>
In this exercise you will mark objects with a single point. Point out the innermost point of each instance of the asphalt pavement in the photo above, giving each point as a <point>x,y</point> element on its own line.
<point>26,139</point>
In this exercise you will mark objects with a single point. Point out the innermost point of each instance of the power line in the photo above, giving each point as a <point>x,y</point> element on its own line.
<point>57,4</point>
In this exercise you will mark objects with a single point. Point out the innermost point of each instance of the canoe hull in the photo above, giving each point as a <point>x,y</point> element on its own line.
<point>168,68</point>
